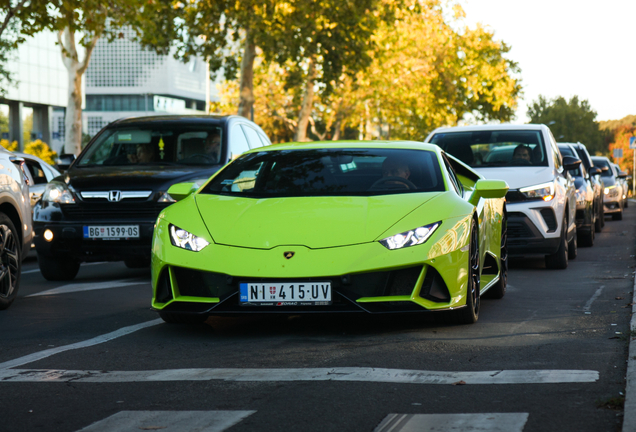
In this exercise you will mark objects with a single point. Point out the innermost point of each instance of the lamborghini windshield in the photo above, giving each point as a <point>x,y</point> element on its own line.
<point>496,148</point>
<point>183,145</point>
<point>329,172</point>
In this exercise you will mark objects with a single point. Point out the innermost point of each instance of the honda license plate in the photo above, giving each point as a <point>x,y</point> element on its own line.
<point>111,232</point>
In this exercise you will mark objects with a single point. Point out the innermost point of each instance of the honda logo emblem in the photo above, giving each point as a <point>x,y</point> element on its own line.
<point>114,196</point>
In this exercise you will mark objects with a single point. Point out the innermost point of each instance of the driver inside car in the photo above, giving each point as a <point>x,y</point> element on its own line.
<point>394,169</point>
<point>212,147</point>
<point>522,153</point>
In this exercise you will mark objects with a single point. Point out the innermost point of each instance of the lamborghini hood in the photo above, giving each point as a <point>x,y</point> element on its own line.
<point>314,222</point>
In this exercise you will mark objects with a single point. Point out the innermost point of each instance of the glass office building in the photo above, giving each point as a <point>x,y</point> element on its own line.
<point>39,90</point>
<point>124,80</point>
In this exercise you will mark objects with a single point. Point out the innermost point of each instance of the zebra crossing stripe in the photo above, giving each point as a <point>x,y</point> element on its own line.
<point>169,421</point>
<point>494,422</point>
<point>350,374</point>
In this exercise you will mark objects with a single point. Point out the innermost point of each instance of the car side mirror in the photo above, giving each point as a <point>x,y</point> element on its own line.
<point>595,171</point>
<point>64,161</point>
<point>622,175</point>
<point>488,189</point>
<point>180,191</point>
<point>570,163</point>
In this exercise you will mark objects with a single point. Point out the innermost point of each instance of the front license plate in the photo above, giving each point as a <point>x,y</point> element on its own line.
<point>286,294</point>
<point>111,231</point>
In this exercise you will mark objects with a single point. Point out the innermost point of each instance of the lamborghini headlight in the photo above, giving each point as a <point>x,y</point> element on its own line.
<point>58,192</point>
<point>543,191</point>
<point>185,240</point>
<point>410,238</point>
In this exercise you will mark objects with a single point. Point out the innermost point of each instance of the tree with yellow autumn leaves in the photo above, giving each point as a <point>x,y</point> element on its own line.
<point>426,70</point>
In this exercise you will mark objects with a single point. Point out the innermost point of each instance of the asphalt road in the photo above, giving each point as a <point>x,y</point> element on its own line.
<point>550,356</point>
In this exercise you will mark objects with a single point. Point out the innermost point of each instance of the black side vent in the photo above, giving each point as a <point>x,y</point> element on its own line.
<point>549,218</point>
<point>197,283</point>
<point>434,288</point>
<point>402,282</point>
<point>490,265</point>
<point>164,291</point>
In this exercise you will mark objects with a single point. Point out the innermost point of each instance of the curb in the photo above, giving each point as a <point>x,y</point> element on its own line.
<point>629,410</point>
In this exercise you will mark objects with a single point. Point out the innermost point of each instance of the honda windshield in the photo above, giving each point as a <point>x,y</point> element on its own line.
<point>182,145</point>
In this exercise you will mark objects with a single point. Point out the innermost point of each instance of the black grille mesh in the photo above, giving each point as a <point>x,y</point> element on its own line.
<point>197,283</point>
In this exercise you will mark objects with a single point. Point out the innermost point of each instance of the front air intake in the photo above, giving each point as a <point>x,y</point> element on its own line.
<point>164,291</point>
<point>434,288</point>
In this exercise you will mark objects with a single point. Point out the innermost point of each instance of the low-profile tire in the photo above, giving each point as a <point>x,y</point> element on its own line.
<point>58,269</point>
<point>498,290</point>
<point>470,313</point>
<point>134,263</point>
<point>587,238</point>
<point>10,262</point>
<point>177,318</point>
<point>573,247</point>
<point>626,204</point>
<point>559,259</point>
<point>617,216</point>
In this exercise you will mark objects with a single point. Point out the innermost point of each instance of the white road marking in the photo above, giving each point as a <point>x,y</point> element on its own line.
<point>169,421</point>
<point>90,342</point>
<point>352,374</point>
<point>89,286</point>
<point>495,422</point>
<point>588,305</point>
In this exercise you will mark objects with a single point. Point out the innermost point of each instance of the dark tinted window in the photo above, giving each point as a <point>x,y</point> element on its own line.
<point>566,150</point>
<point>329,172</point>
<point>584,156</point>
<point>486,148</point>
<point>602,163</point>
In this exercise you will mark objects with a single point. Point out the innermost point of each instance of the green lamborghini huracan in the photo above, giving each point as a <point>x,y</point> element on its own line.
<point>332,227</point>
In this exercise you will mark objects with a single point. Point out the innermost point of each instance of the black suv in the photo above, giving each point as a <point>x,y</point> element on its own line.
<point>104,207</point>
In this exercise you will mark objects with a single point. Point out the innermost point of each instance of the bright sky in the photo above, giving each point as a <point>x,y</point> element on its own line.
<point>567,48</point>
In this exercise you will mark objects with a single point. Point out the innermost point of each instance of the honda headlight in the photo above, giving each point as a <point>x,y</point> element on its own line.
<point>166,198</point>
<point>410,238</point>
<point>543,191</point>
<point>58,192</point>
<point>185,240</point>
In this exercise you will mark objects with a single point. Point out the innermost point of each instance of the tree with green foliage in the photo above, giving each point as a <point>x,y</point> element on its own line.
<point>16,22</point>
<point>569,121</point>
<point>83,23</point>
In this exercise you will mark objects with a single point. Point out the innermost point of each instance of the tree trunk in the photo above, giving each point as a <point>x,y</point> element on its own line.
<point>307,105</point>
<point>246,94</point>
<point>73,118</point>
<point>75,68</point>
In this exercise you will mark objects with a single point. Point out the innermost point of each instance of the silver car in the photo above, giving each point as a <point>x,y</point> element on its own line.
<point>613,192</point>
<point>16,228</point>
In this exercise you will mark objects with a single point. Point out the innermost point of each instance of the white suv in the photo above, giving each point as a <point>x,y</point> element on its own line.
<point>541,202</point>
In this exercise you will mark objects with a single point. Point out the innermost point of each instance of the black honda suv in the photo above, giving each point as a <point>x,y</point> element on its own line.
<point>105,206</point>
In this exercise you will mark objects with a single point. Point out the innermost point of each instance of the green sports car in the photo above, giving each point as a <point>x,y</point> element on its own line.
<point>332,227</point>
